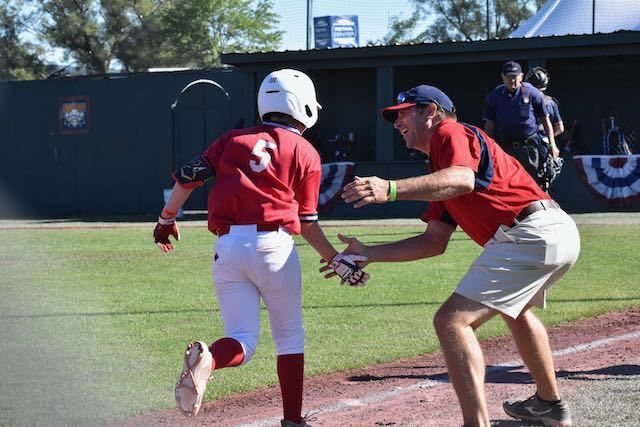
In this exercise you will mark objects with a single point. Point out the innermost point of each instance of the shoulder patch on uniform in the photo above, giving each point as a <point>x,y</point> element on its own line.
<point>195,173</point>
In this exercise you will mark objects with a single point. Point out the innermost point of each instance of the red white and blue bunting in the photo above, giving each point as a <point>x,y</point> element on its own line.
<point>334,177</point>
<point>613,178</point>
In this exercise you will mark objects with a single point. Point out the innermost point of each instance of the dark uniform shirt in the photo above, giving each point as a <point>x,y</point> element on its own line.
<point>515,114</point>
<point>554,111</point>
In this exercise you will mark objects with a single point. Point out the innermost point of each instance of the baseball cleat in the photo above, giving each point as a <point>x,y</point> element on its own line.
<point>532,409</point>
<point>193,379</point>
<point>287,423</point>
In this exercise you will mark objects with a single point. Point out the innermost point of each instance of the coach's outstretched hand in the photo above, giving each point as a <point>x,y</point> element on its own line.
<point>355,255</point>
<point>164,228</point>
<point>363,191</point>
<point>347,268</point>
<point>355,247</point>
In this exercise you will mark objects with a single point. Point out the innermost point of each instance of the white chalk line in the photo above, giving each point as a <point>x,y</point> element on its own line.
<point>385,395</point>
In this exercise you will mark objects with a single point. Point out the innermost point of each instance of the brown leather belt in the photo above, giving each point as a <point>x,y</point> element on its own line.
<point>536,206</point>
<point>221,231</point>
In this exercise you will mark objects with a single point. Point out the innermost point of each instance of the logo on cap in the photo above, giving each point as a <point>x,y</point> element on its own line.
<point>423,94</point>
<point>511,68</point>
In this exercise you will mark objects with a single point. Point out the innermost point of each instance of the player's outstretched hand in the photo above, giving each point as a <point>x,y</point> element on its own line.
<point>359,278</point>
<point>345,266</point>
<point>366,190</point>
<point>164,228</point>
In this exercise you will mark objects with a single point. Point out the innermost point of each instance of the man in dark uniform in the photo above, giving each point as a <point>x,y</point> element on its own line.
<point>512,112</point>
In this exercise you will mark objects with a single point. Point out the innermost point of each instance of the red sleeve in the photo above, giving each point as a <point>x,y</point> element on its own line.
<point>437,210</point>
<point>456,147</point>
<point>307,195</point>
<point>307,189</point>
<point>214,151</point>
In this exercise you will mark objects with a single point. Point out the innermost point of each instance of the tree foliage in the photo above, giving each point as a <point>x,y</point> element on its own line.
<point>134,35</point>
<point>137,32</point>
<point>73,25</point>
<point>19,60</point>
<point>460,20</point>
<point>200,30</point>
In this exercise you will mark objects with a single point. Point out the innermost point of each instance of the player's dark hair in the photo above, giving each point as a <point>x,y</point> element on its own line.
<point>283,119</point>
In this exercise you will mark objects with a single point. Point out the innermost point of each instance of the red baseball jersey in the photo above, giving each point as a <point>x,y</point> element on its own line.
<point>264,175</point>
<point>503,186</point>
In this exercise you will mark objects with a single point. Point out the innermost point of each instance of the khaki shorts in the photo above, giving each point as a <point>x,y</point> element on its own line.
<point>520,264</point>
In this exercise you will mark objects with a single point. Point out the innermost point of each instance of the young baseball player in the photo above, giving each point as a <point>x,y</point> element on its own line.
<point>267,181</point>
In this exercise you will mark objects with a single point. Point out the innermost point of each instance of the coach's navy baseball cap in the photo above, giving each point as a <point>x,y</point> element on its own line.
<point>423,94</point>
<point>511,68</point>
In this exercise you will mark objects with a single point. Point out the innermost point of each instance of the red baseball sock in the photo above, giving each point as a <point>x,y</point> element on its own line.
<point>291,375</point>
<point>226,352</point>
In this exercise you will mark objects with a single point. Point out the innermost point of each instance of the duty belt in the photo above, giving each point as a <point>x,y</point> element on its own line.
<point>520,143</point>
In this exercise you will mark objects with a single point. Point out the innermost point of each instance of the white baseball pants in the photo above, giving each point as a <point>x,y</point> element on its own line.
<point>249,265</point>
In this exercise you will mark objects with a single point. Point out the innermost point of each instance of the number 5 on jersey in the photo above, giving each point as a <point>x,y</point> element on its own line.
<point>265,157</point>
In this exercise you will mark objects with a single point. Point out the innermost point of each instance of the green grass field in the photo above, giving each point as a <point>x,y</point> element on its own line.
<point>93,322</point>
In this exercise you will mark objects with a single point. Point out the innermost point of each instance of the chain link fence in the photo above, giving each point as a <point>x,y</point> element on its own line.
<point>483,19</point>
<point>374,18</point>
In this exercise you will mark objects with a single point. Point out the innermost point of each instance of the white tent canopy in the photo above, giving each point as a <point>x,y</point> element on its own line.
<point>563,17</point>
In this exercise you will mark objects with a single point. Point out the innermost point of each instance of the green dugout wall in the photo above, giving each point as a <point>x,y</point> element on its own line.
<point>106,145</point>
<point>119,159</point>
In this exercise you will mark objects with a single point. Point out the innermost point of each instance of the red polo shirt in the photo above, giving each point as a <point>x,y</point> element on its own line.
<point>510,188</point>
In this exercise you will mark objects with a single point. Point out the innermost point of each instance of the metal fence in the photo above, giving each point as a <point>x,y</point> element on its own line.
<point>375,18</point>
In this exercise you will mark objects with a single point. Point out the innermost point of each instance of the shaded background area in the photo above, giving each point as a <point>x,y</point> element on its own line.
<point>122,162</point>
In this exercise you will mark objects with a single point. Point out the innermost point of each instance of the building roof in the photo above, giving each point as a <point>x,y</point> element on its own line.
<point>618,43</point>
<point>562,17</point>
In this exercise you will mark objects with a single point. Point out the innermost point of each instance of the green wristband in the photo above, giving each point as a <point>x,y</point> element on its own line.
<point>393,191</point>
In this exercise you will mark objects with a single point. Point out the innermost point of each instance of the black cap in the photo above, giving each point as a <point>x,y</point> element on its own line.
<point>511,68</point>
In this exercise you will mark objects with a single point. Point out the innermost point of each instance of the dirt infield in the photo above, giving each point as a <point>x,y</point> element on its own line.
<point>416,392</point>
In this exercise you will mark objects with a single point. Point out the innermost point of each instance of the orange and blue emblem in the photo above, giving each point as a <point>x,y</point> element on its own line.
<point>74,114</point>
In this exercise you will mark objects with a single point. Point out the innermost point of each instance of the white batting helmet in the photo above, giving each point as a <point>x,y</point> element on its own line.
<point>289,92</point>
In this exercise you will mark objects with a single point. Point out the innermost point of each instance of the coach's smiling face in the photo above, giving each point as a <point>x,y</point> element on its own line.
<point>415,124</point>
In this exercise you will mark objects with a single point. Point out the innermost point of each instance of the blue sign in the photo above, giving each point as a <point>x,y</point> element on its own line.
<point>336,31</point>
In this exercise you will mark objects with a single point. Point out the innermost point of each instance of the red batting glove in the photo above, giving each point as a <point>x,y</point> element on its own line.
<point>164,228</point>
